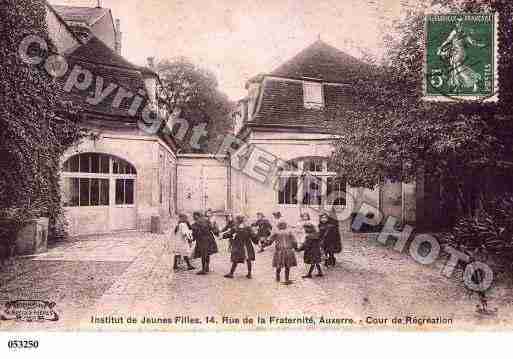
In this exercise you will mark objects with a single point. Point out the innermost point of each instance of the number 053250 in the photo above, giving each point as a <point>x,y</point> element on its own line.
<point>23,344</point>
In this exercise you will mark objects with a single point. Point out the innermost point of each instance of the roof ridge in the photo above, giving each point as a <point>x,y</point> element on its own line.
<point>281,102</point>
<point>316,61</point>
<point>88,61</point>
<point>80,6</point>
<point>94,20</point>
<point>63,22</point>
<point>116,60</point>
<point>338,50</point>
<point>100,17</point>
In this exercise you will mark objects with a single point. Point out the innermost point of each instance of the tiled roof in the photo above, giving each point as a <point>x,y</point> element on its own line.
<point>96,51</point>
<point>86,15</point>
<point>282,104</point>
<point>281,99</point>
<point>103,62</point>
<point>324,62</point>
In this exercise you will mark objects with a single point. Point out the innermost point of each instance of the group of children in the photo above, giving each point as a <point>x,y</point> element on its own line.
<point>313,240</point>
<point>196,240</point>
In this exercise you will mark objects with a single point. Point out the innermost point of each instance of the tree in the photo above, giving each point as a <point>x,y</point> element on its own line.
<point>193,92</point>
<point>398,136</point>
<point>35,126</point>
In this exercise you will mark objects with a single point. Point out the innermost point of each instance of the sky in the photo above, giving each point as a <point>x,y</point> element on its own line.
<point>237,39</point>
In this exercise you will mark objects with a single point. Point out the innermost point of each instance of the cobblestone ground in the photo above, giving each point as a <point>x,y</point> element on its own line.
<point>130,275</point>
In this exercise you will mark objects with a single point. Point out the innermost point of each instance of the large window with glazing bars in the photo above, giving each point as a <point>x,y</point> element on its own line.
<point>94,179</point>
<point>310,182</point>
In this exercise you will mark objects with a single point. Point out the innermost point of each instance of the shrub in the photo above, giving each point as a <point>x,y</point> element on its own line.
<point>488,236</point>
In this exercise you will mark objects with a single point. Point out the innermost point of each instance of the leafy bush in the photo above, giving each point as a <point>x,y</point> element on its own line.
<point>399,136</point>
<point>487,236</point>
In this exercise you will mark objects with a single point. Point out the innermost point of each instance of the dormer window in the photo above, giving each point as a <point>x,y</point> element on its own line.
<point>313,95</point>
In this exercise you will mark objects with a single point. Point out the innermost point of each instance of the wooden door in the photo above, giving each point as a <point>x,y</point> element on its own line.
<point>215,189</point>
<point>190,191</point>
<point>202,187</point>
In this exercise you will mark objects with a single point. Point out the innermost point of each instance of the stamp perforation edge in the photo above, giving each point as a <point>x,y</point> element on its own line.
<point>463,98</point>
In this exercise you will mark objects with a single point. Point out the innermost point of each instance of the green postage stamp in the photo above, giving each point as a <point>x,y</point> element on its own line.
<point>461,57</point>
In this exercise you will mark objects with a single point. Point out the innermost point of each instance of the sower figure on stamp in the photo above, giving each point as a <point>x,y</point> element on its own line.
<point>284,255</point>
<point>241,244</point>
<point>312,248</point>
<point>453,51</point>
<point>183,242</point>
<point>205,242</point>
<point>330,237</point>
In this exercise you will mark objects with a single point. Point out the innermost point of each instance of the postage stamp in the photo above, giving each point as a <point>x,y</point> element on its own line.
<point>461,57</point>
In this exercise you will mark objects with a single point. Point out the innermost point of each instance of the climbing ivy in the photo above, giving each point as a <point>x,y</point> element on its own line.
<point>36,126</point>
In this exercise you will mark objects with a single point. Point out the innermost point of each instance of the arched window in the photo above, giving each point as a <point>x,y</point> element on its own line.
<point>310,181</point>
<point>89,178</point>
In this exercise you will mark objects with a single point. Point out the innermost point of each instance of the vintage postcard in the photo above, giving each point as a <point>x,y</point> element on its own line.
<point>197,165</point>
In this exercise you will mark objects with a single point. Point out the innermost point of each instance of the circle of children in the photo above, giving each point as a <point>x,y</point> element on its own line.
<point>198,240</point>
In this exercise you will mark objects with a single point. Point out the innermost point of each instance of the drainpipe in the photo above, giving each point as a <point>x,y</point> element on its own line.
<point>229,184</point>
<point>175,195</point>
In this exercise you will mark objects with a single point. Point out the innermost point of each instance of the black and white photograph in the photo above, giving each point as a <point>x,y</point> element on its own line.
<point>255,165</point>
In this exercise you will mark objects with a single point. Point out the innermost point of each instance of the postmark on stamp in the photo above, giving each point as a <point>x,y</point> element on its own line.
<point>461,57</point>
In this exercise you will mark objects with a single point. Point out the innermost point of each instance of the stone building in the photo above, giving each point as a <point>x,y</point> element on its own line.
<point>120,176</point>
<point>285,115</point>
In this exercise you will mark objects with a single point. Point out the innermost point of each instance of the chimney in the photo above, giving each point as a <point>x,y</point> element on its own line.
<point>99,4</point>
<point>118,37</point>
<point>151,63</point>
<point>151,81</point>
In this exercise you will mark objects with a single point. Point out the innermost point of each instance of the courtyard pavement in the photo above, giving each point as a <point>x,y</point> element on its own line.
<point>130,276</point>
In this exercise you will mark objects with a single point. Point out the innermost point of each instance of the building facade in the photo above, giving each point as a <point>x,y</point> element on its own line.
<point>120,175</point>
<point>287,114</point>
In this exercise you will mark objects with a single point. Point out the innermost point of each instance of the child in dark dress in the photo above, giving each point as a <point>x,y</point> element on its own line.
<point>284,256</point>
<point>241,244</point>
<point>205,242</point>
<point>330,238</point>
<point>227,231</point>
<point>209,215</point>
<point>312,248</point>
<point>264,230</point>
